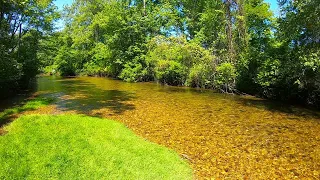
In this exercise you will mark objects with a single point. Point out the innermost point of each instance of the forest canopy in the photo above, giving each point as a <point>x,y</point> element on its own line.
<point>236,46</point>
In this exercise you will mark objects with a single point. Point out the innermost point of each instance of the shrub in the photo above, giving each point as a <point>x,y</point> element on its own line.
<point>65,62</point>
<point>52,69</point>
<point>268,73</point>
<point>201,76</point>
<point>92,69</point>
<point>134,73</point>
<point>171,73</point>
<point>225,76</point>
<point>177,60</point>
<point>179,50</point>
<point>101,63</point>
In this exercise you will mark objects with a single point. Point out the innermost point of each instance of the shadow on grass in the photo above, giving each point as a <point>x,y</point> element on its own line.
<point>27,105</point>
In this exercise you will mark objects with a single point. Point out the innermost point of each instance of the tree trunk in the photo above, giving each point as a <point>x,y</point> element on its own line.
<point>19,41</point>
<point>229,30</point>
<point>144,8</point>
<point>242,30</point>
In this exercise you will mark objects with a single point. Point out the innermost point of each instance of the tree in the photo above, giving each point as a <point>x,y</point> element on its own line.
<point>21,25</point>
<point>224,44</point>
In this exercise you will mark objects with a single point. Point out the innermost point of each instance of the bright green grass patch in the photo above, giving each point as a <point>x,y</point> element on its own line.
<point>81,147</point>
<point>29,105</point>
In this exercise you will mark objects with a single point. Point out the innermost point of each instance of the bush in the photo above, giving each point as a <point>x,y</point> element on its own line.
<point>268,73</point>
<point>225,76</point>
<point>10,69</point>
<point>65,62</point>
<point>309,77</point>
<point>179,50</point>
<point>134,73</point>
<point>92,69</point>
<point>171,73</point>
<point>101,62</point>
<point>201,76</point>
<point>177,60</point>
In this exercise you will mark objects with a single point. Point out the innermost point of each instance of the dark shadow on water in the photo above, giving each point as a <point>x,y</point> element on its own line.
<point>277,106</point>
<point>14,101</point>
<point>19,98</point>
<point>83,97</point>
<point>240,101</point>
<point>72,94</point>
<point>12,105</point>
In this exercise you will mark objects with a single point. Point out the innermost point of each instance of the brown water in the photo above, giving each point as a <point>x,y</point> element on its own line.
<point>222,136</point>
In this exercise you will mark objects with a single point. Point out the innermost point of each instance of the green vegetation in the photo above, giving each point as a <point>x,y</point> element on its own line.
<point>29,105</point>
<point>80,147</point>
<point>22,24</point>
<point>229,45</point>
<point>221,136</point>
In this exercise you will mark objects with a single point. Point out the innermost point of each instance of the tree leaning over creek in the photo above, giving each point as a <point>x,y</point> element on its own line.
<point>22,24</point>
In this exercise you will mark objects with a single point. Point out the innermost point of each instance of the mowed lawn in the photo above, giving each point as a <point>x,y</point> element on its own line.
<point>81,147</point>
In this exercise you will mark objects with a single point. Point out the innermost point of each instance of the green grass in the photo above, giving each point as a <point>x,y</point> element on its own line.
<point>29,105</point>
<point>81,147</point>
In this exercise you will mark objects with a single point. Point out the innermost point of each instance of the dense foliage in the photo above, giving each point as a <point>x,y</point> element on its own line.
<point>22,24</point>
<point>228,45</point>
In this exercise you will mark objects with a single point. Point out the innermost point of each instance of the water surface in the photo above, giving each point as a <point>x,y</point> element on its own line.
<point>222,136</point>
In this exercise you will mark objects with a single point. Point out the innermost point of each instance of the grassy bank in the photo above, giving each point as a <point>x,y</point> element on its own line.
<point>74,146</point>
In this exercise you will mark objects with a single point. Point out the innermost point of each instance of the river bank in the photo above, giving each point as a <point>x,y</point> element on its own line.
<point>221,136</point>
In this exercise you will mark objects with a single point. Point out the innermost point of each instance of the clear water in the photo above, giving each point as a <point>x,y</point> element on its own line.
<point>222,136</point>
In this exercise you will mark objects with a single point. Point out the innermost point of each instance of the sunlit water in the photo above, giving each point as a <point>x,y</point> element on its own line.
<point>221,136</point>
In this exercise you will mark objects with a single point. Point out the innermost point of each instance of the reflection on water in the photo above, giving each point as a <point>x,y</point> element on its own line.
<point>222,136</point>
